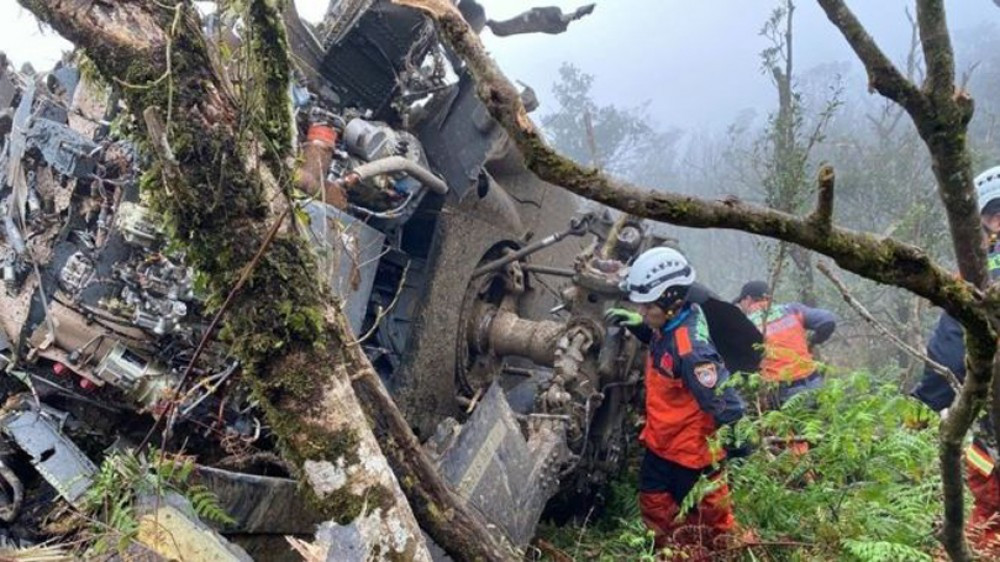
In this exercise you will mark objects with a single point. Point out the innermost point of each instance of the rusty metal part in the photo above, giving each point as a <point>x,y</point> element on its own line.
<point>514,279</point>
<point>602,276</point>
<point>317,153</point>
<point>500,332</point>
<point>570,378</point>
<point>623,238</point>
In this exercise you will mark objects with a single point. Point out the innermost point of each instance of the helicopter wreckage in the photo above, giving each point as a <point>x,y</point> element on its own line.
<point>476,290</point>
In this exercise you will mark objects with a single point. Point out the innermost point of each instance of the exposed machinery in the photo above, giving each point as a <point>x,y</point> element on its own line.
<point>476,289</point>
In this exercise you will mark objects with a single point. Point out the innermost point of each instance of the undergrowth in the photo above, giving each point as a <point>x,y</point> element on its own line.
<point>867,490</point>
<point>124,480</point>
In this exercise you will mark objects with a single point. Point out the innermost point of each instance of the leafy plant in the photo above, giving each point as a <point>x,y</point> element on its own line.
<point>866,482</point>
<point>125,477</point>
<point>867,489</point>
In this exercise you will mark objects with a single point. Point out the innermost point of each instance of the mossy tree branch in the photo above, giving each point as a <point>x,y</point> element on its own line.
<point>940,122</point>
<point>822,215</point>
<point>941,114</point>
<point>938,54</point>
<point>270,59</point>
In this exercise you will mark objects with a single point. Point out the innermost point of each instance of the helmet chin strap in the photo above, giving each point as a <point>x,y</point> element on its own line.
<point>677,319</point>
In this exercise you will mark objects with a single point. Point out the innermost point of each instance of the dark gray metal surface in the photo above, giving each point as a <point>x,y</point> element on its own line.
<point>493,468</point>
<point>260,504</point>
<point>55,457</point>
<point>350,255</point>
<point>459,135</point>
<point>66,150</point>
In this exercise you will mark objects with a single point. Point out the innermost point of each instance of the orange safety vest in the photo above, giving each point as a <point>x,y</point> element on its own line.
<point>677,429</point>
<point>786,345</point>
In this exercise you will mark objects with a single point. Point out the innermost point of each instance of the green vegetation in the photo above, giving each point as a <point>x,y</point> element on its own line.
<point>867,490</point>
<point>124,478</point>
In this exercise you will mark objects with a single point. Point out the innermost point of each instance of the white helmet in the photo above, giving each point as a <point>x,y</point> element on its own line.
<point>655,271</point>
<point>988,187</point>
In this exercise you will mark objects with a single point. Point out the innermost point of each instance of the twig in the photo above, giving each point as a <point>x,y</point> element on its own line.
<point>867,316</point>
<point>381,314</point>
<point>244,276</point>
<point>883,75</point>
<point>583,528</point>
<point>748,545</point>
<point>158,139</point>
<point>551,551</point>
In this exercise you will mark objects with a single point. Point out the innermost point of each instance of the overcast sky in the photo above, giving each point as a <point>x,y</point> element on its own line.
<point>695,61</point>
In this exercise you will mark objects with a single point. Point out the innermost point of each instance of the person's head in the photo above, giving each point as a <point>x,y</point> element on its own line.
<point>658,282</point>
<point>988,193</point>
<point>753,296</point>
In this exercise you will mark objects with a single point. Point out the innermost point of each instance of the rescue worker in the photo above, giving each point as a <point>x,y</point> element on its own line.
<point>947,347</point>
<point>790,330</point>
<point>684,402</point>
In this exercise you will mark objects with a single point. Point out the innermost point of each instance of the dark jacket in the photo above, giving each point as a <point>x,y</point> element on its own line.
<point>947,347</point>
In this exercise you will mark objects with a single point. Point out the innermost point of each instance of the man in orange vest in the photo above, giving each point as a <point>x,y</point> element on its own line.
<point>790,330</point>
<point>685,402</point>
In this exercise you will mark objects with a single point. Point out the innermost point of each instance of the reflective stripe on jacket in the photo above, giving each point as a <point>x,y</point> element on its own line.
<point>786,340</point>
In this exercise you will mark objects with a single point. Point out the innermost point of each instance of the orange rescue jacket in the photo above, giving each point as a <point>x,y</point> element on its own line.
<point>786,341</point>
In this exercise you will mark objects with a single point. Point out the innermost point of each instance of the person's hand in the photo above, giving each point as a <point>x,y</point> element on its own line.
<point>623,317</point>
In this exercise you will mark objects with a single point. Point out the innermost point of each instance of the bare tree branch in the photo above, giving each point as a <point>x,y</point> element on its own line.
<point>883,76</point>
<point>868,317</point>
<point>941,120</point>
<point>938,56</point>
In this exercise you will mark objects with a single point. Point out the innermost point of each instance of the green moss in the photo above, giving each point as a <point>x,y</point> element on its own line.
<point>435,513</point>
<point>272,69</point>
<point>342,506</point>
<point>299,439</point>
<point>379,497</point>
